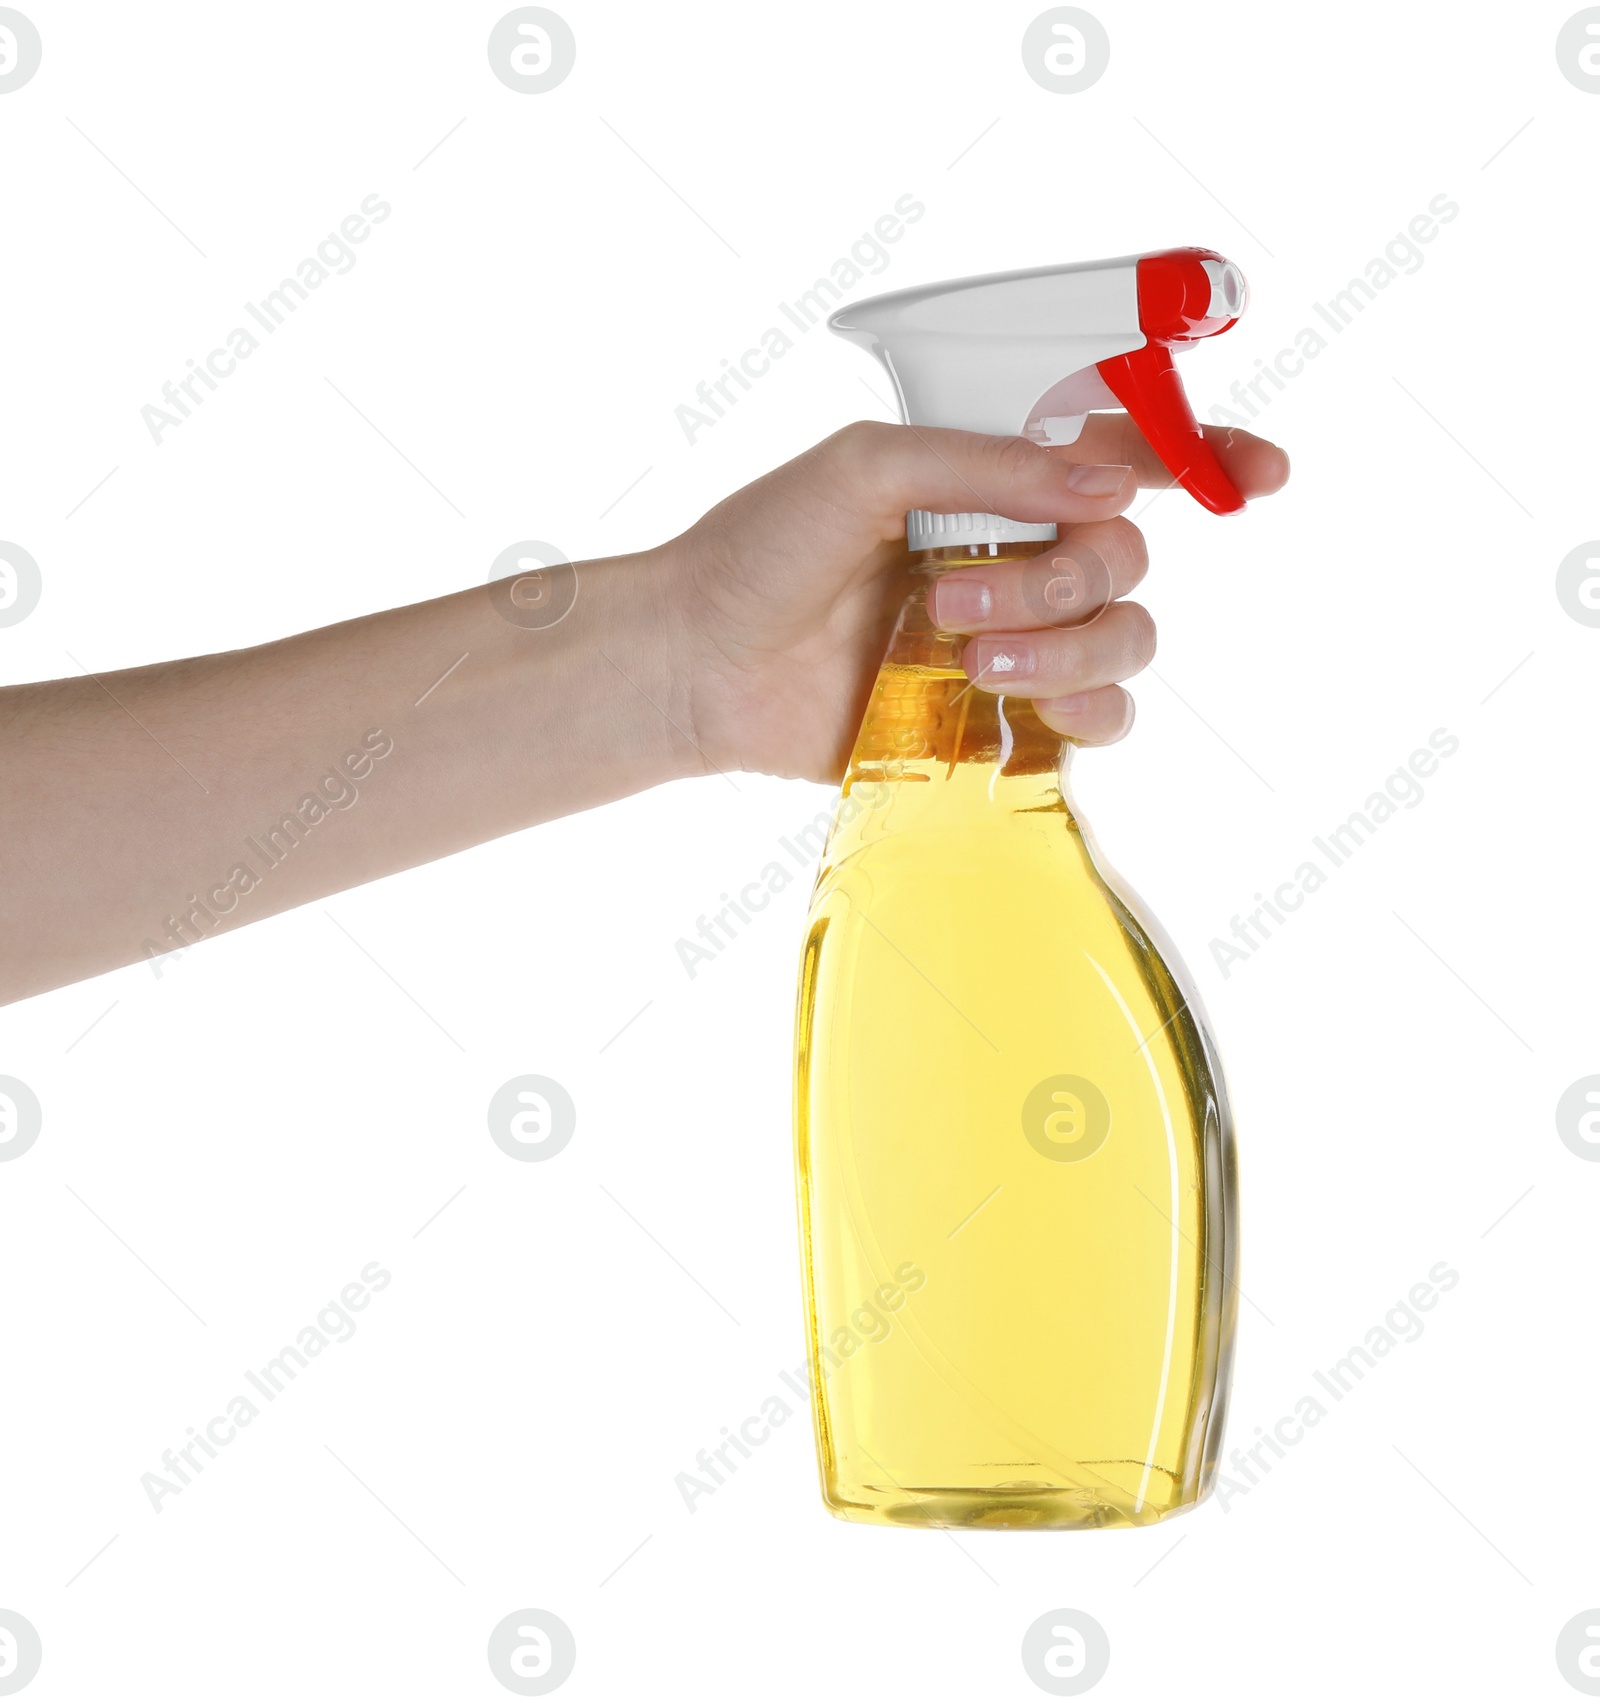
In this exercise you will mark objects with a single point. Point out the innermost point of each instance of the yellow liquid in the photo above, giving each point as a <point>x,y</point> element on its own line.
<point>1014,1148</point>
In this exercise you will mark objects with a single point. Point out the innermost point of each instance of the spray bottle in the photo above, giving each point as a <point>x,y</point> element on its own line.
<point>1013,1141</point>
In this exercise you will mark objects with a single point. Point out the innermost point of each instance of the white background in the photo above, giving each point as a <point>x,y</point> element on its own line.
<point>276,1110</point>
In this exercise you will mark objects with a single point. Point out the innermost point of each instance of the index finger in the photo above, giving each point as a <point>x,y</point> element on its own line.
<point>1257,466</point>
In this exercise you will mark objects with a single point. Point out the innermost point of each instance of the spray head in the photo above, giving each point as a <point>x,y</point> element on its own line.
<point>1034,353</point>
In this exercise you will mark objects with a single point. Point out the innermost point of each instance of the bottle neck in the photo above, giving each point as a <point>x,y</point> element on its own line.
<point>927,722</point>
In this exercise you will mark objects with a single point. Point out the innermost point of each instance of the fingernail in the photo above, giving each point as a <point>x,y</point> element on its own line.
<point>1090,480</point>
<point>994,661</point>
<point>961,603</point>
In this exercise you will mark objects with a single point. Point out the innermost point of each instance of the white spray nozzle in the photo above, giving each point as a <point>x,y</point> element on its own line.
<point>990,354</point>
<point>1033,353</point>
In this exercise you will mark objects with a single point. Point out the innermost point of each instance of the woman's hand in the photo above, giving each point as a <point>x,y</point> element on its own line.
<point>790,586</point>
<point>211,791</point>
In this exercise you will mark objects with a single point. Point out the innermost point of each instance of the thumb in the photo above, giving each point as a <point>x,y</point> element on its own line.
<point>890,469</point>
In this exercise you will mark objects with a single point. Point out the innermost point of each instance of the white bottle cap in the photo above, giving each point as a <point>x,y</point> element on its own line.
<point>928,531</point>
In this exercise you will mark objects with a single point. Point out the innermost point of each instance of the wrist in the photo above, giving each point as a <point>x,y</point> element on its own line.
<point>639,659</point>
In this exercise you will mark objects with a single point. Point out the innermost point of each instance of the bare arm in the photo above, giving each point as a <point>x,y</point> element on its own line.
<point>155,807</point>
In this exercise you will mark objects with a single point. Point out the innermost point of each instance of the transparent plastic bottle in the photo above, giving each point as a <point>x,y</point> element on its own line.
<point>1014,1147</point>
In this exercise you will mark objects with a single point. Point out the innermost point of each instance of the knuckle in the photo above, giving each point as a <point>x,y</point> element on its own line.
<point>1132,547</point>
<point>1125,708</point>
<point>1016,460</point>
<point>1141,634</point>
<point>865,446</point>
<point>868,462</point>
<point>1122,543</point>
<point>1064,588</point>
<point>1113,554</point>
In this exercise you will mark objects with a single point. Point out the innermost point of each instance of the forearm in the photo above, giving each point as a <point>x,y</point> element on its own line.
<point>155,807</point>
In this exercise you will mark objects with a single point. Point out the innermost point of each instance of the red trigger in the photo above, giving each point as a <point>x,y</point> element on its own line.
<point>1146,383</point>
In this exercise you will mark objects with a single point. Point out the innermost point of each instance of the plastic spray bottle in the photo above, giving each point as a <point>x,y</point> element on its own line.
<point>1013,1141</point>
